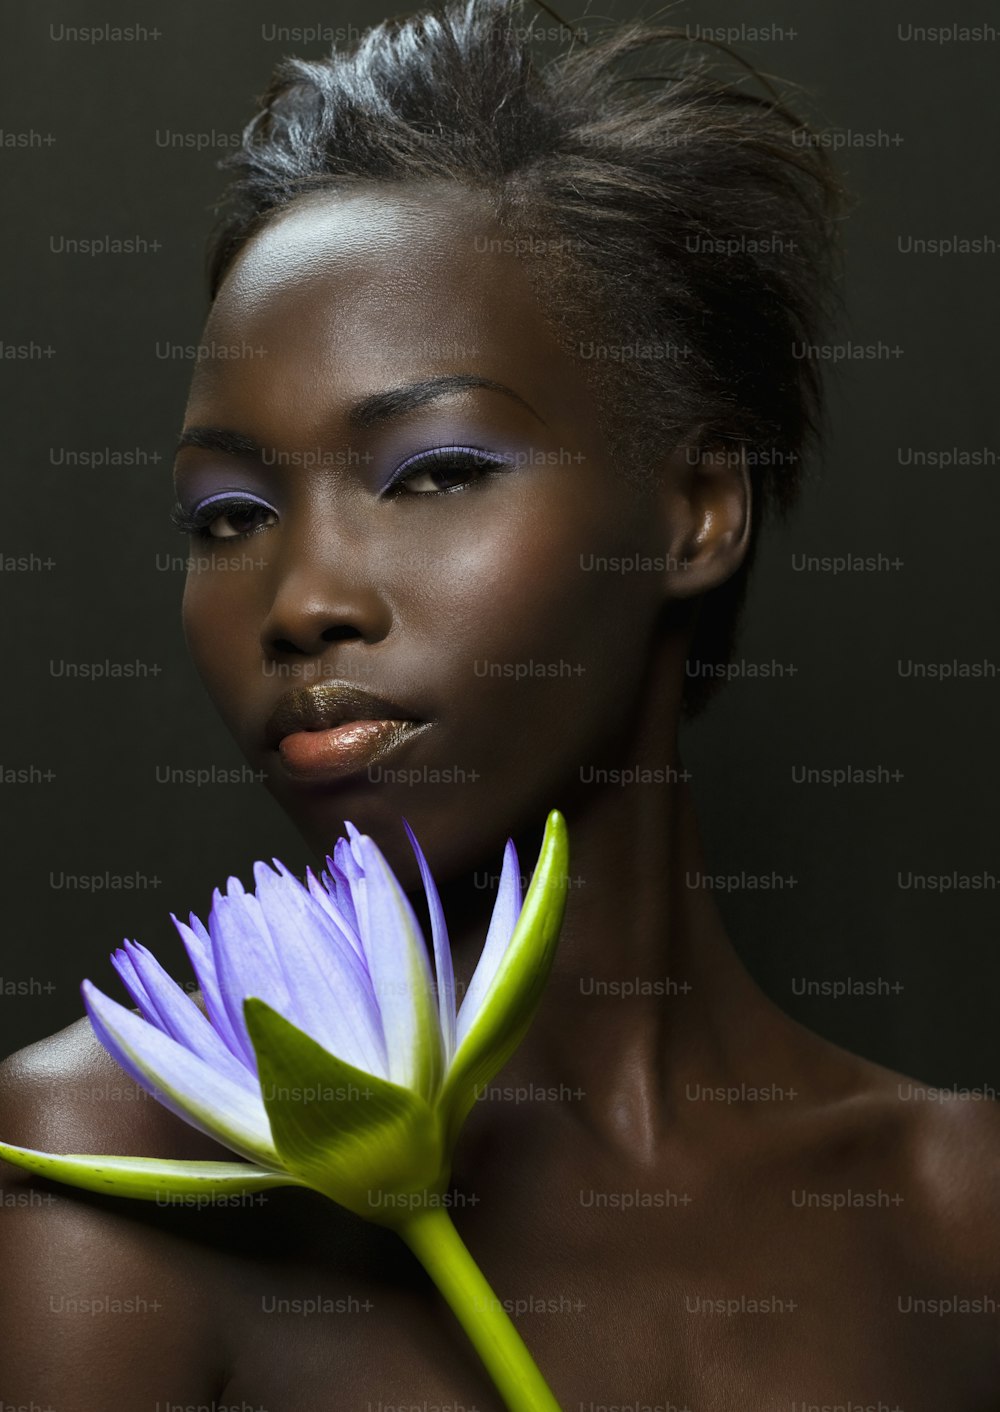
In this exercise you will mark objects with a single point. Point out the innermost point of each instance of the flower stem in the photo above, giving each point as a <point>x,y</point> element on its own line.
<point>431,1235</point>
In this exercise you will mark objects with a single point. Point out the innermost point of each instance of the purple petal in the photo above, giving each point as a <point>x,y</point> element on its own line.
<point>181,1018</point>
<point>245,961</point>
<point>506,911</point>
<point>345,875</point>
<point>330,992</point>
<point>198,945</point>
<point>442,950</point>
<point>122,962</point>
<point>400,972</point>
<point>328,900</point>
<point>232,1113</point>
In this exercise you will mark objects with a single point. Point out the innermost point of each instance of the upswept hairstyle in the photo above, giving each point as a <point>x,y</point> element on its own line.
<point>678,229</point>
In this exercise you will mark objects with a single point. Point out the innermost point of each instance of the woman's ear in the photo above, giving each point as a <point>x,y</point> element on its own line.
<point>705,504</point>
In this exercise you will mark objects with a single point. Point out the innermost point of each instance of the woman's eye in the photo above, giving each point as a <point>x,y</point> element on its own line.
<point>438,471</point>
<point>443,469</point>
<point>237,520</point>
<point>234,520</point>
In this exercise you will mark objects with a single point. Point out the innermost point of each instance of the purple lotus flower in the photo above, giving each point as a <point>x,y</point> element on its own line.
<point>328,1053</point>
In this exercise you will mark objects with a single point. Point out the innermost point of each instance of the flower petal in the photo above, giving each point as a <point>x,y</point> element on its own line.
<point>198,945</point>
<point>181,1019</point>
<point>400,972</point>
<point>344,874</point>
<point>505,1012</point>
<point>327,899</point>
<point>330,992</point>
<point>506,911</point>
<point>245,960</point>
<point>122,962</point>
<point>231,1113</point>
<point>443,969</point>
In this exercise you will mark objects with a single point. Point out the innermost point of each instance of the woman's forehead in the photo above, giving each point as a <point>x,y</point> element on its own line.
<point>416,235</point>
<point>357,290</point>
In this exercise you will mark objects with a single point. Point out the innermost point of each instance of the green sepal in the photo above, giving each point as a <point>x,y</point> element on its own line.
<point>365,1142</point>
<point>145,1178</point>
<point>517,987</point>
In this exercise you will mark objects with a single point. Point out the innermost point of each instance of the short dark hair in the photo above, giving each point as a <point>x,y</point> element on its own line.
<point>676,220</point>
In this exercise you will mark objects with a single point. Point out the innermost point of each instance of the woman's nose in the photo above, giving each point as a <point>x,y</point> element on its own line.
<point>325,590</point>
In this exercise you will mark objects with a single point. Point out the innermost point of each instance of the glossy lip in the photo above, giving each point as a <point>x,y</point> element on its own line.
<point>344,750</point>
<point>327,704</point>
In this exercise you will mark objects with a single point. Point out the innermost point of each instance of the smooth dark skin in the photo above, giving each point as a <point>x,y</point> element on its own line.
<point>404,595</point>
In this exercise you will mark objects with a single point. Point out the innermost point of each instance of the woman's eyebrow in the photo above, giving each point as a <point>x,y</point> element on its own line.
<point>231,443</point>
<point>380,406</point>
<point>368,412</point>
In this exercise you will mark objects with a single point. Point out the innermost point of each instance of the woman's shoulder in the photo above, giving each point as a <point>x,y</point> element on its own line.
<point>933,1152</point>
<point>65,1093</point>
<point>952,1151</point>
<point>112,1303</point>
<point>937,1129</point>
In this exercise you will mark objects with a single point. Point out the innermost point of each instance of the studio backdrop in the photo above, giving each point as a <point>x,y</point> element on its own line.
<point>847,772</point>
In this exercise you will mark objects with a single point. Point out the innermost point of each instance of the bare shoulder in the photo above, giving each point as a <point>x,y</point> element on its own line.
<point>949,1164</point>
<point>940,1149</point>
<point>882,1130</point>
<point>954,1157</point>
<point>65,1093</point>
<point>112,1301</point>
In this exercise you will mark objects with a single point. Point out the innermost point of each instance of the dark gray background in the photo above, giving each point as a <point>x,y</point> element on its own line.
<point>104,598</point>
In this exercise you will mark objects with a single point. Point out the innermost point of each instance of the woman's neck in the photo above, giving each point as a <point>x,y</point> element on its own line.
<point>648,1002</point>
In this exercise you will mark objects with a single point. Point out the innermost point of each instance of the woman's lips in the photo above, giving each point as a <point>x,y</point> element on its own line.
<point>343,749</point>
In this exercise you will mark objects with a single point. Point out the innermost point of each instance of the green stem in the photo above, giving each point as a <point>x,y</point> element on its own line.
<point>436,1243</point>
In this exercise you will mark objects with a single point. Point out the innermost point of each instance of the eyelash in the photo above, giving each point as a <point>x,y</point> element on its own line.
<point>199,523</point>
<point>437,458</point>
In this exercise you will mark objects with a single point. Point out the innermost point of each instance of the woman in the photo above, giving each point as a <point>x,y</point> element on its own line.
<point>504,378</point>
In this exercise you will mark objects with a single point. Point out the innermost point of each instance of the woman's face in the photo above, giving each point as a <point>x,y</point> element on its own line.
<point>478,610</point>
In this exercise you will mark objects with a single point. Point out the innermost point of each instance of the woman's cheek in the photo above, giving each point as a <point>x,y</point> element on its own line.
<point>214,620</point>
